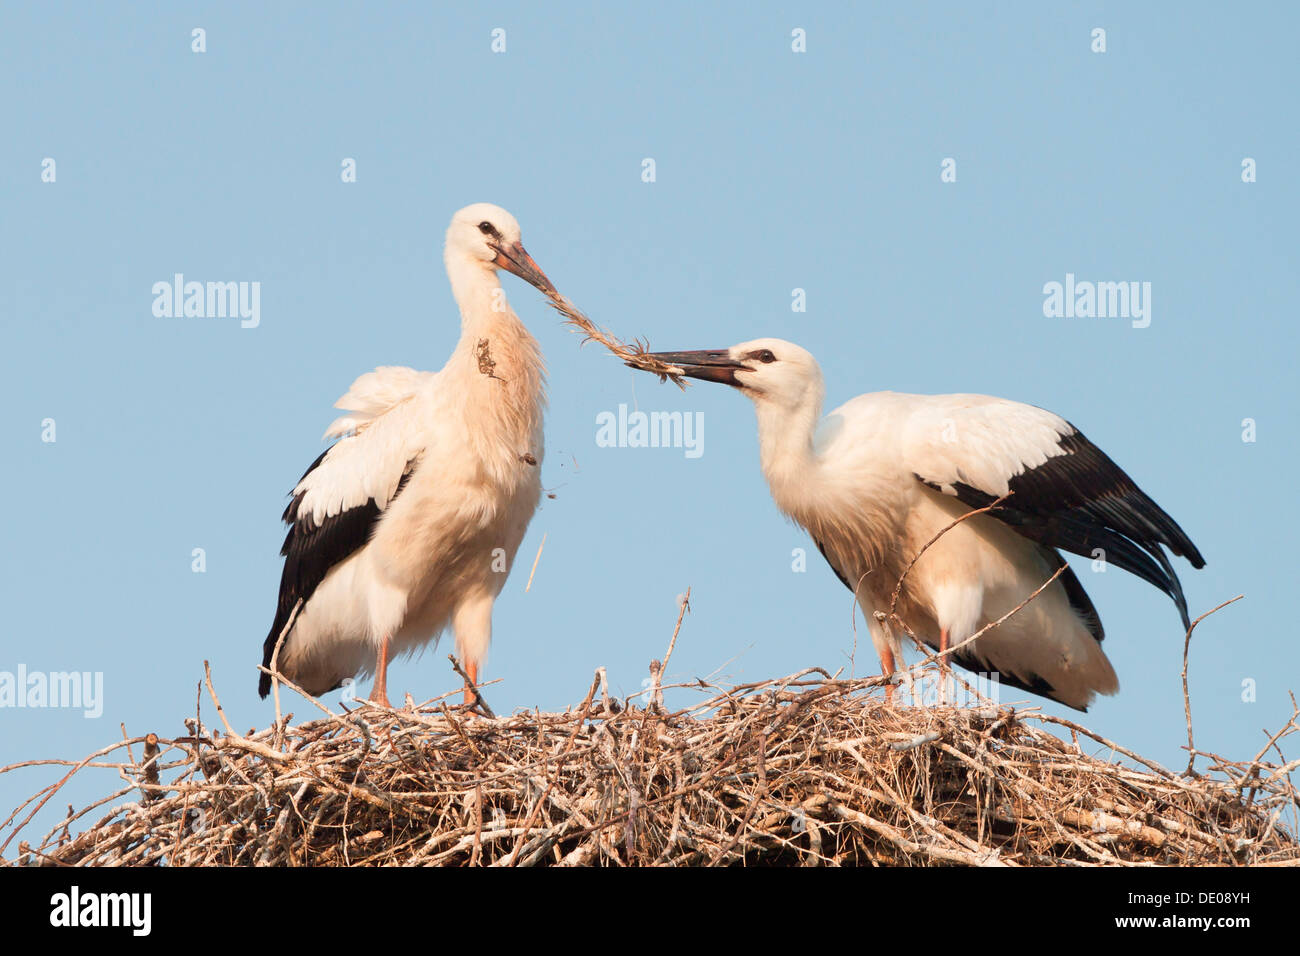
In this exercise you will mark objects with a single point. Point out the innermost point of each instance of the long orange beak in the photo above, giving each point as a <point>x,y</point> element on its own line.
<point>515,259</point>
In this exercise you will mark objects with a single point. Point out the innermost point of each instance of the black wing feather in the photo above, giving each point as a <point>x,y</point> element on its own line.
<point>822,548</point>
<point>968,657</point>
<point>1079,501</point>
<point>311,549</point>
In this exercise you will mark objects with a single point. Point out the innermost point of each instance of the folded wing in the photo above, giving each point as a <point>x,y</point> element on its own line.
<point>1064,492</point>
<point>345,492</point>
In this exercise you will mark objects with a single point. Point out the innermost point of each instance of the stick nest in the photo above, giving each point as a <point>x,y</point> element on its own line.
<point>805,770</point>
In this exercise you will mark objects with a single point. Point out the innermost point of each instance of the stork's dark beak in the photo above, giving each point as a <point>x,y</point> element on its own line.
<point>513,258</point>
<point>714,365</point>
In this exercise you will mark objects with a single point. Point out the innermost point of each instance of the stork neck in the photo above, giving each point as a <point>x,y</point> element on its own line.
<point>478,293</point>
<point>785,441</point>
<point>494,345</point>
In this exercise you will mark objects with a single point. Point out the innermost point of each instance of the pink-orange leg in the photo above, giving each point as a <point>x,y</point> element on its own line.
<point>887,670</point>
<point>379,693</point>
<point>471,685</point>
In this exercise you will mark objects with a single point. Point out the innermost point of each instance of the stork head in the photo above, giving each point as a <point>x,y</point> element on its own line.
<point>770,371</point>
<point>487,234</point>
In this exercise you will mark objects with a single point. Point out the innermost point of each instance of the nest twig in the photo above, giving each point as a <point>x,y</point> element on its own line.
<point>636,354</point>
<point>803,770</point>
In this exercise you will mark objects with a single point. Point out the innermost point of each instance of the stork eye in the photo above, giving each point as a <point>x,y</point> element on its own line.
<point>487,228</point>
<point>765,356</point>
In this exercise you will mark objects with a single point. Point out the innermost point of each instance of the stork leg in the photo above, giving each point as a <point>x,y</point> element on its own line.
<point>379,693</point>
<point>471,684</point>
<point>944,640</point>
<point>472,623</point>
<point>887,670</point>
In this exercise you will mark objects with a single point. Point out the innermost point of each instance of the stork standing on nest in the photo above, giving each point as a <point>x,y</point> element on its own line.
<point>409,522</point>
<point>883,474</point>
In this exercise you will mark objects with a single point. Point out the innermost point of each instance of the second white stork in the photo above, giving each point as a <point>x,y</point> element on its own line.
<point>883,474</point>
<point>409,522</point>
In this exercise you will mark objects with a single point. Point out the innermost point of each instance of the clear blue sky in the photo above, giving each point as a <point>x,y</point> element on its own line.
<point>774,170</point>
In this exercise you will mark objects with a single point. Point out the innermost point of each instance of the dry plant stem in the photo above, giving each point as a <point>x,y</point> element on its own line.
<point>231,738</point>
<point>658,669</point>
<point>299,691</point>
<point>478,698</point>
<point>151,753</point>
<point>1187,700</point>
<point>681,613</point>
<point>604,690</point>
<point>1291,727</point>
<point>275,657</point>
<point>636,355</point>
<point>207,680</point>
<point>50,792</point>
<point>529,586</point>
<point>654,694</point>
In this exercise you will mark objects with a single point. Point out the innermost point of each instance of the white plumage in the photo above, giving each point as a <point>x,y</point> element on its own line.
<point>375,393</point>
<point>884,473</point>
<point>410,522</point>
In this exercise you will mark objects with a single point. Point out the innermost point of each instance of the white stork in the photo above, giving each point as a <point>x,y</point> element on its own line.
<point>884,473</point>
<point>410,521</point>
